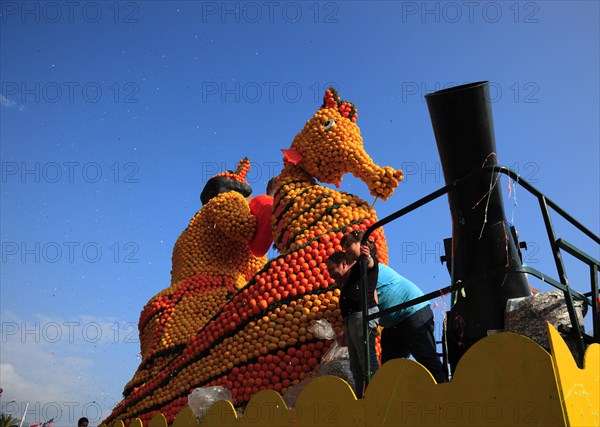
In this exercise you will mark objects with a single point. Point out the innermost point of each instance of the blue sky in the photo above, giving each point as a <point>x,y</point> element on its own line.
<point>114,114</point>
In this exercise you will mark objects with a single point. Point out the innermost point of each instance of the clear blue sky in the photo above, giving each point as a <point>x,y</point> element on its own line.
<point>114,114</point>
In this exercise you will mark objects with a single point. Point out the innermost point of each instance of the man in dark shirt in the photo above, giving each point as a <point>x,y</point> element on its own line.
<point>347,273</point>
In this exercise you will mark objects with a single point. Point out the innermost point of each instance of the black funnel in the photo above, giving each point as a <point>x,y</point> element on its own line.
<point>464,131</point>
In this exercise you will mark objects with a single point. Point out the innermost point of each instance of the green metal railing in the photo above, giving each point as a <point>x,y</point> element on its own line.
<point>556,245</point>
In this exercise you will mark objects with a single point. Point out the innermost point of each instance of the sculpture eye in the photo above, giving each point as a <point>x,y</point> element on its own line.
<point>328,124</point>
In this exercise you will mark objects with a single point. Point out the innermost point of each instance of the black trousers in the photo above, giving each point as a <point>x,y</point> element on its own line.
<point>413,336</point>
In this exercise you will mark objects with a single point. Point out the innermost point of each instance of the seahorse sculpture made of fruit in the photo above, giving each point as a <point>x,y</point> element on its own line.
<point>260,339</point>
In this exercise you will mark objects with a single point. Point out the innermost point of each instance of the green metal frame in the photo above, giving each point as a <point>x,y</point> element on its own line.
<point>556,245</point>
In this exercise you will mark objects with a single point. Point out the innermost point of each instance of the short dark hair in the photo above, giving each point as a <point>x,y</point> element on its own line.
<point>356,236</point>
<point>82,420</point>
<point>352,237</point>
<point>337,258</point>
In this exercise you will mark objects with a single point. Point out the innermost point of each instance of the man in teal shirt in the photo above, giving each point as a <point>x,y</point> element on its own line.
<point>410,330</point>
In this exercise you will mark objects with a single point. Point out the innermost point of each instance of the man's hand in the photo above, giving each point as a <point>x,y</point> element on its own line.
<point>366,252</point>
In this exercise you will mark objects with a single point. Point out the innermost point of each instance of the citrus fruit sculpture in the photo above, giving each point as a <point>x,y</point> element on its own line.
<point>211,261</point>
<point>260,338</point>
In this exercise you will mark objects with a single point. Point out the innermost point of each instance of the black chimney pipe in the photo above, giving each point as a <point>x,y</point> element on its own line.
<point>481,239</point>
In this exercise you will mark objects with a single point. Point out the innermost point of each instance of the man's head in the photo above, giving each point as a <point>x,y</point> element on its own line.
<point>83,422</point>
<point>338,266</point>
<point>350,239</point>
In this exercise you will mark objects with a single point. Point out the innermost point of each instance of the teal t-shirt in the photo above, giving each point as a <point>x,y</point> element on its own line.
<point>394,289</point>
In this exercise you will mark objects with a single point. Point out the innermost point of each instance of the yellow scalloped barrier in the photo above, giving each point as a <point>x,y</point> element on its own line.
<point>328,401</point>
<point>580,388</point>
<point>158,420</point>
<point>503,380</point>
<point>185,418</point>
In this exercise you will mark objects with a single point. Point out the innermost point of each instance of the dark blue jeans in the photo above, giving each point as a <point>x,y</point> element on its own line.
<point>354,338</point>
<point>413,335</point>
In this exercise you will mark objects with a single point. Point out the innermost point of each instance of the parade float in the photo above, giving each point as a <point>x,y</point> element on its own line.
<point>235,320</point>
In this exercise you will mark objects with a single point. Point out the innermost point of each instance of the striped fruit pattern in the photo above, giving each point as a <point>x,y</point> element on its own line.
<point>261,337</point>
<point>211,261</point>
